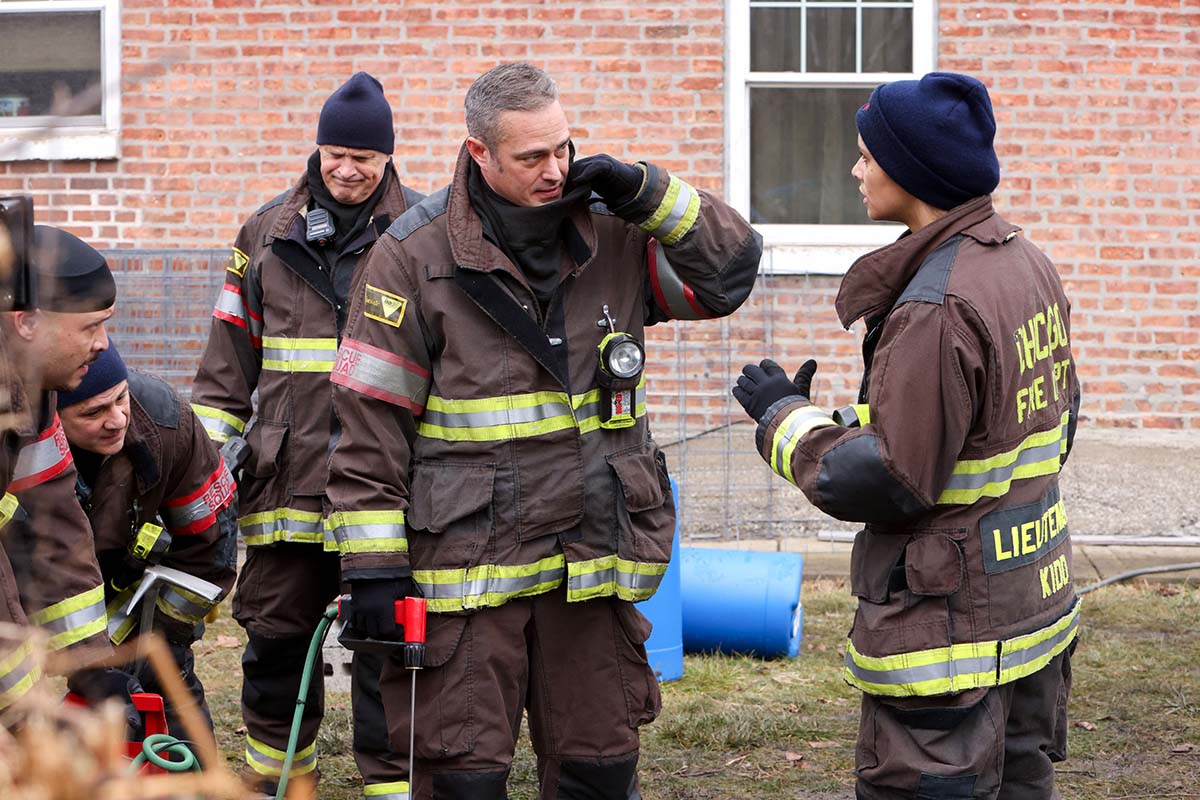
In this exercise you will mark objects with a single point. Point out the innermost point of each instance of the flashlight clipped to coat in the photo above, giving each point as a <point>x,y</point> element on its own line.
<point>622,359</point>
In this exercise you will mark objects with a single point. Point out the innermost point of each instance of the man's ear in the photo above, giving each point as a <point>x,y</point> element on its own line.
<point>479,151</point>
<point>24,324</point>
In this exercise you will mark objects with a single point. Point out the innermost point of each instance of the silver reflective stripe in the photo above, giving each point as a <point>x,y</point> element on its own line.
<point>230,304</point>
<point>678,211</point>
<point>942,670</point>
<point>367,532</point>
<point>190,610</point>
<point>76,619</point>
<point>672,286</point>
<point>484,419</point>
<point>1016,658</point>
<point>266,765</point>
<point>796,421</point>
<point>283,528</point>
<point>19,671</point>
<point>628,580</point>
<point>480,587</point>
<point>393,381</point>
<point>1034,455</point>
<point>37,457</point>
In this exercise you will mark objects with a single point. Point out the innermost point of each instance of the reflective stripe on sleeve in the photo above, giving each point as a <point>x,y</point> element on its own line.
<point>46,457</point>
<point>218,424</point>
<point>944,670</point>
<point>385,376</point>
<point>282,525</point>
<point>670,292</point>
<point>487,585</point>
<point>196,511</point>
<point>1038,455</point>
<point>8,508</point>
<point>675,215</point>
<point>74,619</point>
<point>231,307</point>
<point>610,575</point>
<point>285,354</point>
<point>396,790</point>
<point>790,432</point>
<point>366,532</point>
<point>180,604</point>
<point>267,760</point>
<point>19,670</point>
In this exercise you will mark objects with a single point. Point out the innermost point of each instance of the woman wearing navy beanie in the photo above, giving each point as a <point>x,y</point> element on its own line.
<point>967,615</point>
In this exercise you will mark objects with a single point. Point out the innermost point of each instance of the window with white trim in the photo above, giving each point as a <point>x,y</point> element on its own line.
<point>798,70</point>
<point>59,79</point>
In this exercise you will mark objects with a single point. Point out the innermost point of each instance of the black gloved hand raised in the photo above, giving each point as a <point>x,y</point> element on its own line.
<point>761,386</point>
<point>96,684</point>
<point>615,181</point>
<point>373,605</point>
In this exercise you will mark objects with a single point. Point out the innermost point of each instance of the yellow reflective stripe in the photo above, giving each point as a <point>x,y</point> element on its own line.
<point>286,354</point>
<point>399,789</point>
<point>120,624</point>
<point>267,760</point>
<point>218,424</point>
<point>282,525</point>
<point>1038,455</point>
<point>349,532</point>
<point>492,433</point>
<point>8,508</point>
<point>18,672</point>
<point>73,619</point>
<point>1044,645</point>
<point>609,575</point>
<point>676,213</point>
<point>789,433</point>
<point>487,585</point>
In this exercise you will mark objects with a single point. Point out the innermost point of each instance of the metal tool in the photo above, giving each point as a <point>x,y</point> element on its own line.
<point>410,613</point>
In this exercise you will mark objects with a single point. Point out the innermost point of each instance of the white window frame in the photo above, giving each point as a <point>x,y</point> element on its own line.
<point>805,249</point>
<point>90,142</point>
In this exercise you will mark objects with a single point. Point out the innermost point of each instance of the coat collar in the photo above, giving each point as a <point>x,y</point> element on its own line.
<point>295,206</point>
<point>876,280</point>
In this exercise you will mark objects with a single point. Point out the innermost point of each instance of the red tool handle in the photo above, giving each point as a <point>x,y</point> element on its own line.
<point>410,613</point>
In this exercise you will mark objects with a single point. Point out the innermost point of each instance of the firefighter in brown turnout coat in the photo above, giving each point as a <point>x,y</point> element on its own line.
<point>967,615</point>
<point>157,494</point>
<point>495,453</point>
<point>275,329</point>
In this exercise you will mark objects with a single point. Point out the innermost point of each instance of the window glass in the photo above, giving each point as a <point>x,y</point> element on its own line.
<point>831,41</point>
<point>47,59</point>
<point>882,49</point>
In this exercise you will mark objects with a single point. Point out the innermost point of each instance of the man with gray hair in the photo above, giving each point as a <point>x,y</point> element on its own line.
<point>495,454</point>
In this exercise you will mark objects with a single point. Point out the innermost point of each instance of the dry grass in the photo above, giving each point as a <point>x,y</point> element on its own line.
<point>748,729</point>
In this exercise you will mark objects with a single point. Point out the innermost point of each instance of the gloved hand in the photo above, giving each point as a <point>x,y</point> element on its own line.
<point>96,684</point>
<point>373,605</point>
<point>761,386</point>
<point>615,181</point>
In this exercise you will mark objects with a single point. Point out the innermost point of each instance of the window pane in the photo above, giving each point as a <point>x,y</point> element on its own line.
<point>831,40</point>
<point>775,40</point>
<point>44,55</point>
<point>802,145</point>
<point>887,40</point>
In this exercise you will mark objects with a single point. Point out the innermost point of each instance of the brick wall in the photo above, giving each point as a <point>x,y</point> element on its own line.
<point>1098,105</point>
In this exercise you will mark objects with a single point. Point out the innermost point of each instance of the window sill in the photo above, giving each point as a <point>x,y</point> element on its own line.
<point>36,144</point>
<point>820,249</point>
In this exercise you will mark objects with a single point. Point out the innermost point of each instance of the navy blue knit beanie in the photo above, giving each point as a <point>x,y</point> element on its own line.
<point>933,137</point>
<point>358,115</point>
<point>104,373</point>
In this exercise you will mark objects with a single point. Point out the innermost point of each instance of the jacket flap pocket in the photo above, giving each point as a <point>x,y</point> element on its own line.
<point>442,638</point>
<point>871,563</point>
<point>444,492</point>
<point>638,474</point>
<point>266,443</point>
<point>933,565</point>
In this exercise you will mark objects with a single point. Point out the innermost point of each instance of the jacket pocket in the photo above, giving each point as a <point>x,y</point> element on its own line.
<point>645,508</point>
<point>452,501</point>
<point>266,440</point>
<point>643,699</point>
<point>872,561</point>
<point>933,565</point>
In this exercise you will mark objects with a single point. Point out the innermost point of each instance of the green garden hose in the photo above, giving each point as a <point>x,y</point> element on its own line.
<point>314,647</point>
<point>156,744</point>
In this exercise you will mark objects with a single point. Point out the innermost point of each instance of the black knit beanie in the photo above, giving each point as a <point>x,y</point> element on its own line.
<point>73,277</point>
<point>934,137</point>
<point>103,374</point>
<point>358,115</point>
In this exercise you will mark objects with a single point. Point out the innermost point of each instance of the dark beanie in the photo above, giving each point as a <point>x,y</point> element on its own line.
<point>104,373</point>
<point>72,275</point>
<point>933,137</point>
<point>358,115</point>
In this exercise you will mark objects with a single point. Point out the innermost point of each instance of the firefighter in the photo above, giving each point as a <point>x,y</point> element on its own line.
<point>156,492</point>
<point>275,329</point>
<point>495,453</point>
<point>47,538</point>
<point>966,611</point>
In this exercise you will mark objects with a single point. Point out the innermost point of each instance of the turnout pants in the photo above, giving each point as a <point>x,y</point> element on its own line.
<point>985,744</point>
<point>578,669</point>
<point>282,592</point>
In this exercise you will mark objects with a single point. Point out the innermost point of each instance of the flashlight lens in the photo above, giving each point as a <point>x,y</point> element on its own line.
<point>625,360</point>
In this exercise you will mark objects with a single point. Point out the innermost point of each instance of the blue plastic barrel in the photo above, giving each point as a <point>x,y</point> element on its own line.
<point>664,648</point>
<point>739,601</point>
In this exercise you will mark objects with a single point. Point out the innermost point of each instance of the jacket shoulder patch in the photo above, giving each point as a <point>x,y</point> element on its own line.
<point>929,284</point>
<point>420,215</point>
<point>384,306</point>
<point>238,261</point>
<point>156,397</point>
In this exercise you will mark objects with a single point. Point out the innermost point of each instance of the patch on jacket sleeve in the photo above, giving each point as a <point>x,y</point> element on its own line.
<point>383,306</point>
<point>238,261</point>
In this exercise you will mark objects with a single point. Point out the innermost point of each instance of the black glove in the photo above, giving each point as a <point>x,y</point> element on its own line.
<point>373,605</point>
<point>761,386</point>
<point>96,684</point>
<point>615,181</point>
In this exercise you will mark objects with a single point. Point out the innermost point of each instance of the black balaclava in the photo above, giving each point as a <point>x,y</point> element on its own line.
<point>348,221</point>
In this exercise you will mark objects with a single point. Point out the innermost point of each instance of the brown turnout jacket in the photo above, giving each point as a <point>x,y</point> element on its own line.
<point>275,329</point>
<point>170,474</point>
<point>473,448</point>
<point>970,398</point>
